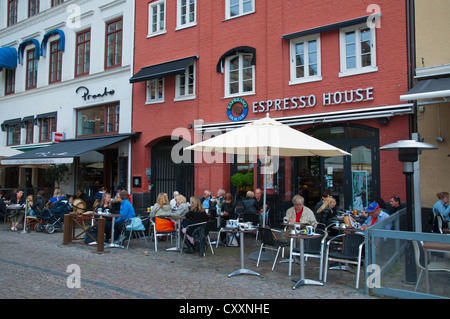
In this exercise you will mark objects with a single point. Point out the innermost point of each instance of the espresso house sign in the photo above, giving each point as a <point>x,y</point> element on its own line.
<point>327,99</point>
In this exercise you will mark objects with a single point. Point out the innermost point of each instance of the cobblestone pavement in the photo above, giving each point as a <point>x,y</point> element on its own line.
<point>36,266</point>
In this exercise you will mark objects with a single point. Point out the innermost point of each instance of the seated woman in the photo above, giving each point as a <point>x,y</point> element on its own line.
<point>442,206</point>
<point>17,199</point>
<point>182,207</point>
<point>327,211</point>
<point>228,207</point>
<point>300,213</point>
<point>127,212</point>
<point>162,206</point>
<point>195,215</point>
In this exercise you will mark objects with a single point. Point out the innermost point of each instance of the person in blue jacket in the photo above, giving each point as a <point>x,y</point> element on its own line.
<point>127,212</point>
<point>441,206</point>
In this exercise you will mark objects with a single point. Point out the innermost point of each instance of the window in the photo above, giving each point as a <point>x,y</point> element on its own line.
<point>235,8</point>
<point>33,7</point>
<point>32,63</point>
<point>155,91</point>
<point>13,134</point>
<point>56,2</point>
<point>305,60</point>
<point>185,83</point>
<point>357,46</point>
<point>83,53</point>
<point>98,120</point>
<point>157,18</point>
<point>55,62</point>
<point>29,131</point>
<point>47,126</point>
<point>239,75</point>
<point>10,81</point>
<point>12,12</point>
<point>113,44</point>
<point>186,13</point>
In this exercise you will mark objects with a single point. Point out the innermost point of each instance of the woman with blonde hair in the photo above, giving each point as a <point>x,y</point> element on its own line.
<point>182,206</point>
<point>195,215</point>
<point>326,212</point>
<point>162,206</point>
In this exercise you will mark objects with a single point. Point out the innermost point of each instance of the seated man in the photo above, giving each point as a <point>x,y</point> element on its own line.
<point>375,215</point>
<point>300,213</point>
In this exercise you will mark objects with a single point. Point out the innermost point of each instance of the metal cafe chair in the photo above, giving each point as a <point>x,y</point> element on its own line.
<point>269,242</point>
<point>351,254</point>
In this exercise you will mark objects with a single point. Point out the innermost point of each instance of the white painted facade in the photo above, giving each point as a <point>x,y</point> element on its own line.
<point>71,17</point>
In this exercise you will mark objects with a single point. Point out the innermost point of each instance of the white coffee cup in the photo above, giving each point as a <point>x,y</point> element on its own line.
<point>285,220</point>
<point>242,226</point>
<point>298,228</point>
<point>309,230</point>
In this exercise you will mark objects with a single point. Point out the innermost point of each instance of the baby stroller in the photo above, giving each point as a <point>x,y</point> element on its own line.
<point>54,217</point>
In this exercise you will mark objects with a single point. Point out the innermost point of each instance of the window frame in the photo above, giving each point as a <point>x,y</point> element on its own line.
<point>187,24</point>
<point>58,55</point>
<point>241,8</point>
<point>83,44</point>
<point>52,127</point>
<point>156,100</point>
<point>17,130</point>
<point>240,76</point>
<point>116,32</point>
<point>160,30</point>
<point>10,81</point>
<point>54,3</point>
<point>12,12</point>
<point>29,132</point>
<point>343,52</point>
<point>293,61</point>
<point>33,7</point>
<point>186,75</point>
<point>106,109</point>
<point>34,61</point>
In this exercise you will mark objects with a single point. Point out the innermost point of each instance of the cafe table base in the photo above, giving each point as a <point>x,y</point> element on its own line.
<point>302,281</point>
<point>242,270</point>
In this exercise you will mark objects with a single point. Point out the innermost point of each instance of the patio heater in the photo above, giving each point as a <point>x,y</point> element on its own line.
<point>408,153</point>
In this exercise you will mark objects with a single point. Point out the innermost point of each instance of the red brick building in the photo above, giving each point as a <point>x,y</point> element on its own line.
<point>335,71</point>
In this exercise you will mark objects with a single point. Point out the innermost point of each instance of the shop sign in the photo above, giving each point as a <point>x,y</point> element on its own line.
<point>88,97</point>
<point>58,137</point>
<point>300,102</point>
<point>237,109</point>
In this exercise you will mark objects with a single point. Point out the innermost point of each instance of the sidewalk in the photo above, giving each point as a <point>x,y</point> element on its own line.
<point>35,265</point>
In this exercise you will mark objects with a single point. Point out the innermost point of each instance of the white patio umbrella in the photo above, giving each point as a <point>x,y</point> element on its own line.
<point>267,137</point>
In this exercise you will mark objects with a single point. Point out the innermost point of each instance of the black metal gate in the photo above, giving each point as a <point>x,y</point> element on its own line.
<point>168,176</point>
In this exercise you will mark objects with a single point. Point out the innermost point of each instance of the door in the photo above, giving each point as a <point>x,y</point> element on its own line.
<point>352,180</point>
<point>168,176</point>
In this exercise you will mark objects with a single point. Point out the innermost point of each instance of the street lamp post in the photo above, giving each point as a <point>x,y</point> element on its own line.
<point>408,153</point>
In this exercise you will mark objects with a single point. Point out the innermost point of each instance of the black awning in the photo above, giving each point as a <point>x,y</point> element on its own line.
<point>428,89</point>
<point>162,70</point>
<point>64,151</point>
<point>330,27</point>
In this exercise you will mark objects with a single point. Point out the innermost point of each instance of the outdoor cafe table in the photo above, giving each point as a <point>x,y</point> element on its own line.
<point>113,216</point>
<point>242,270</point>
<point>302,281</point>
<point>177,220</point>
<point>286,227</point>
<point>436,247</point>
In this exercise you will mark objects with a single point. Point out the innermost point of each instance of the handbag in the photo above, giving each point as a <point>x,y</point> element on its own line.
<point>135,224</point>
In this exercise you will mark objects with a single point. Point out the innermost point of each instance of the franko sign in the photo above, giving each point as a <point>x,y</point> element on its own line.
<point>88,97</point>
<point>300,102</point>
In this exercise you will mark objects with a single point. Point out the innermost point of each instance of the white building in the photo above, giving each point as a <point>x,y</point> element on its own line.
<point>71,76</point>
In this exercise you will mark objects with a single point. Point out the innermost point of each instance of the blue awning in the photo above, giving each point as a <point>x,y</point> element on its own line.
<point>24,44</point>
<point>62,40</point>
<point>8,58</point>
